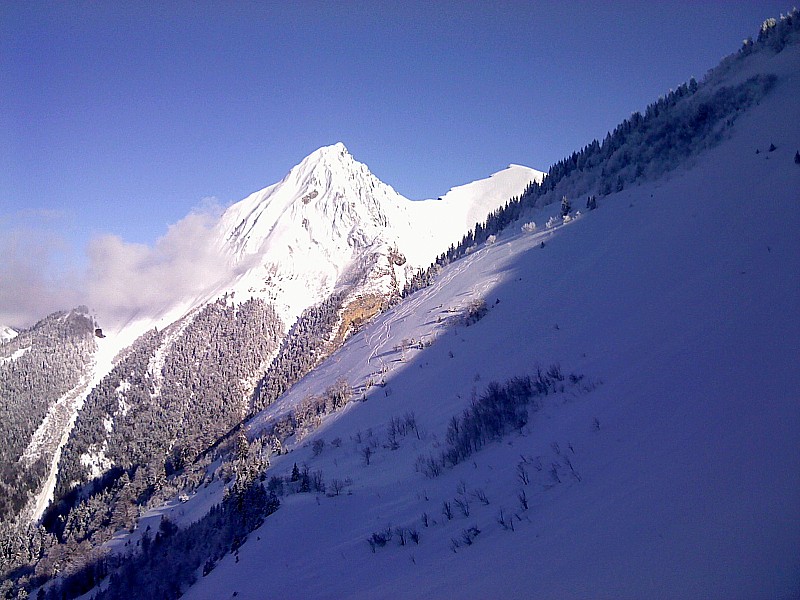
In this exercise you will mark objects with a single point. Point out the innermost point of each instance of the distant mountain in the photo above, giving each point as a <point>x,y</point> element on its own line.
<point>40,368</point>
<point>7,333</point>
<point>330,224</point>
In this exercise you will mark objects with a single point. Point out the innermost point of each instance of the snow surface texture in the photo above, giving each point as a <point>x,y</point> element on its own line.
<point>678,301</point>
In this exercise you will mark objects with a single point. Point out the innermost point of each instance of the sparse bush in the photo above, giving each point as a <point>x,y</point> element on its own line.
<point>522,474</point>
<point>480,496</point>
<point>336,486</point>
<point>554,372</point>
<point>447,510</point>
<point>317,446</point>
<point>523,499</point>
<point>317,482</point>
<point>554,473</point>
<point>413,534</point>
<point>468,535</point>
<point>366,454</point>
<point>476,310</point>
<point>505,521</point>
<point>572,470</point>
<point>463,505</point>
<point>402,535</point>
<point>379,539</point>
<point>429,466</point>
<point>410,423</point>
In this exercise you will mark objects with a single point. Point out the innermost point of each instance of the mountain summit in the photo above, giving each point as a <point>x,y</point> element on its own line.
<point>328,194</point>
<point>7,333</point>
<point>330,224</point>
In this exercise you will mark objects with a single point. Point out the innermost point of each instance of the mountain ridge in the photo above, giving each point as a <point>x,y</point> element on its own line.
<point>353,253</point>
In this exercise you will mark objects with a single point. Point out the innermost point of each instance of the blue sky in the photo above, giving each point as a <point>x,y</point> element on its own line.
<point>119,118</point>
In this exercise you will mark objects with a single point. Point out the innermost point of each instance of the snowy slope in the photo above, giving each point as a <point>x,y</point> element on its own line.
<point>678,302</point>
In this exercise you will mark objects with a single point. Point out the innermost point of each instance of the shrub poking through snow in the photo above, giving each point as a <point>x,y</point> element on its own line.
<point>501,409</point>
<point>476,310</point>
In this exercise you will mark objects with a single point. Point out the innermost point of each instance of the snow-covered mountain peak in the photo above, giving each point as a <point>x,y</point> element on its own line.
<point>333,157</point>
<point>331,223</point>
<point>7,333</point>
<point>328,194</point>
<point>326,166</point>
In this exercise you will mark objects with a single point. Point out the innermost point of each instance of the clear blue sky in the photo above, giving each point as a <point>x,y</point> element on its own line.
<point>119,117</point>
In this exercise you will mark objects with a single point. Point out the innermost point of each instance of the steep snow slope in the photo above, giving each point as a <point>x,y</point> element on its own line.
<point>678,301</point>
<point>444,221</point>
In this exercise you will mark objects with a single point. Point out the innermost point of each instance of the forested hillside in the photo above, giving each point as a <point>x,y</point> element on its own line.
<point>173,396</point>
<point>37,367</point>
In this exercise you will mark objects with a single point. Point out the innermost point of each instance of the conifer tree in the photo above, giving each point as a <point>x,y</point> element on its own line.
<point>565,206</point>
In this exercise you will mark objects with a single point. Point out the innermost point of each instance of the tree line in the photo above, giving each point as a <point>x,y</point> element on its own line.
<point>678,125</point>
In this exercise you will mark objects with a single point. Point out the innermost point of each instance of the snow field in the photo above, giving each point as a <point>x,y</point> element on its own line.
<point>677,301</point>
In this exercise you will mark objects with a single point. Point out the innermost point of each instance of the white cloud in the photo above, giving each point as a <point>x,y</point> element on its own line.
<point>126,279</point>
<point>122,279</point>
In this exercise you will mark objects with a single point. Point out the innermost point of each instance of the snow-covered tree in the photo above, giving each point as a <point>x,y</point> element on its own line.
<point>565,206</point>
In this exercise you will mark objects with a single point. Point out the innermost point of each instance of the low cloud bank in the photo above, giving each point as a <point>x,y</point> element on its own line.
<point>122,279</point>
<point>125,280</point>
